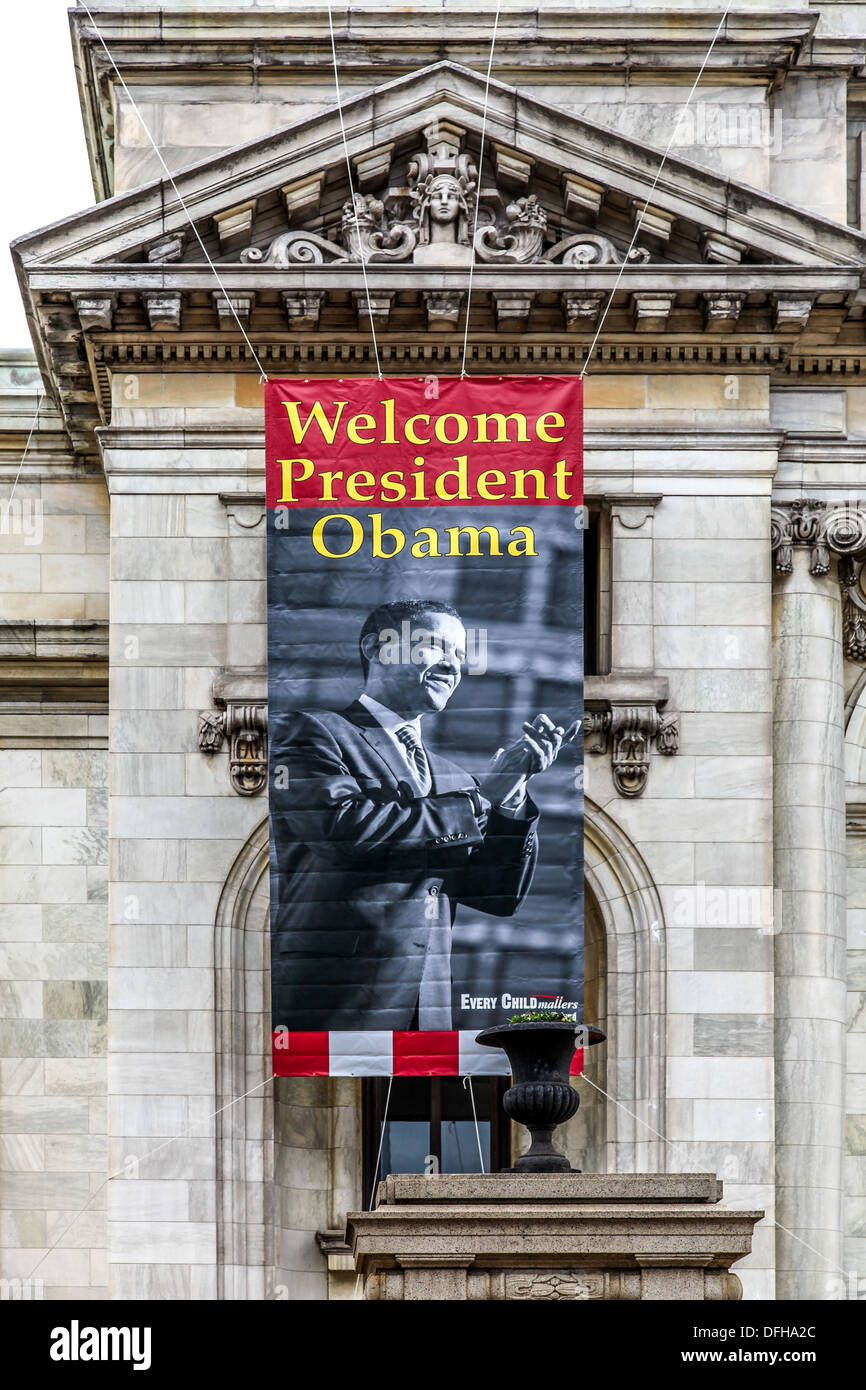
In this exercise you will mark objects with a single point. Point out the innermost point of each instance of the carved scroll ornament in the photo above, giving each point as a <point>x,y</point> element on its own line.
<point>630,732</point>
<point>828,530</point>
<point>245,725</point>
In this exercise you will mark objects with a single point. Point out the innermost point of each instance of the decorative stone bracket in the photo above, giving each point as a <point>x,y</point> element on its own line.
<point>626,717</point>
<point>828,530</point>
<point>244,722</point>
<point>629,731</point>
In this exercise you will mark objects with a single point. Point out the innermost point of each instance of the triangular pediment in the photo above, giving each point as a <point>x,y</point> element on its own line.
<point>310,268</point>
<point>585,179</point>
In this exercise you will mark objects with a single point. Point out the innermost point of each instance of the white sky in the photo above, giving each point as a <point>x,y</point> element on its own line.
<point>44,162</point>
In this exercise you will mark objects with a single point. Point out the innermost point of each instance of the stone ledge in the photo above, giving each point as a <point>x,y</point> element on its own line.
<point>550,1187</point>
<point>43,660</point>
<point>63,639</point>
<point>564,1236</point>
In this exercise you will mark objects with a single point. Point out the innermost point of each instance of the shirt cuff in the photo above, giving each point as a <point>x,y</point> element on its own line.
<point>514,808</point>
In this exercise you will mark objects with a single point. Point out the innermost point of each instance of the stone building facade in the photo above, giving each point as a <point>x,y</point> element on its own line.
<point>726,477</point>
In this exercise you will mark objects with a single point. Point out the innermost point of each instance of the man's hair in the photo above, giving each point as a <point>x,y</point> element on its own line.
<point>391,615</point>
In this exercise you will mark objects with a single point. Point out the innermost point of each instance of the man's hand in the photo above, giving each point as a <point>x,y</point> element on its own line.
<point>535,751</point>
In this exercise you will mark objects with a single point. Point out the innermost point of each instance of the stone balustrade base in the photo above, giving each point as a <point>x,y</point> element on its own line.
<point>550,1236</point>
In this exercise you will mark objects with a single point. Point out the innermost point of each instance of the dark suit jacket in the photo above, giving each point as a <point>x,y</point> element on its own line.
<point>360,864</point>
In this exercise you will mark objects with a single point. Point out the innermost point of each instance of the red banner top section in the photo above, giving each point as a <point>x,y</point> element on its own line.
<point>351,442</point>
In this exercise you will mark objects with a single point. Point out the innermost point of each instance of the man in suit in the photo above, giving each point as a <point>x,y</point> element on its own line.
<point>379,839</point>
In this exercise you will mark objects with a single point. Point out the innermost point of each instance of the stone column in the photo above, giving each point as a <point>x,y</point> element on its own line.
<point>809,872</point>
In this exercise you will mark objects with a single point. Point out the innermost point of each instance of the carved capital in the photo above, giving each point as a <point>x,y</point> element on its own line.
<point>630,731</point>
<point>826,529</point>
<point>245,725</point>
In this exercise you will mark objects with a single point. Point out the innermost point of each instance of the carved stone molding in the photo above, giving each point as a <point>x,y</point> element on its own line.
<point>791,311</point>
<point>303,309</point>
<point>581,311</point>
<point>167,248</point>
<point>244,722</point>
<point>521,240</point>
<point>375,306</point>
<point>512,310</point>
<point>722,250</point>
<point>233,308</point>
<point>301,197</point>
<point>163,310</point>
<point>590,248</point>
<point>629,727</point>
<point>825,528</point>
<point>422,211</point>
<point>95,311</point>
<point>630,731</point>
<point>443,307</point>
<point>233,225</point>
<point>651,312</point>
<point>721,311</point>
<point>828,530</point>
<point>852,574</point>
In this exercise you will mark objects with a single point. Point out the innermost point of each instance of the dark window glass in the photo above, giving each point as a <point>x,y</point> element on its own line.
<point>562,607</point>
<point>430,1126</point>
<point>590,597</point>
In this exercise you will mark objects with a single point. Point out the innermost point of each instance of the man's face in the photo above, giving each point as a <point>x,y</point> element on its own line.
<point>421,672</point>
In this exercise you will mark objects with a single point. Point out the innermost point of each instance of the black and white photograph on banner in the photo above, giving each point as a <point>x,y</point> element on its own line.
<point>432,673</point>
<point>425,691</point>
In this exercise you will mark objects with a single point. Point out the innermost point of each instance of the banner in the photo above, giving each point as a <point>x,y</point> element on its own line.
<point>425,695</point>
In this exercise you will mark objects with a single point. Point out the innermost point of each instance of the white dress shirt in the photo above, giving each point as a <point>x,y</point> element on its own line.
<point>391,722</point>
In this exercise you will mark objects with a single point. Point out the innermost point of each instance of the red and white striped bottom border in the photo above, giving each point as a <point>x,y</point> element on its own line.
<point>390,1054</point>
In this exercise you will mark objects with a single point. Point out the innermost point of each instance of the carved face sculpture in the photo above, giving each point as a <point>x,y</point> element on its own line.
<point>445,200</point>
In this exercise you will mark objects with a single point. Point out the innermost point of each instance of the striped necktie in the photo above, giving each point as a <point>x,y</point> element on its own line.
<point>416,756</point>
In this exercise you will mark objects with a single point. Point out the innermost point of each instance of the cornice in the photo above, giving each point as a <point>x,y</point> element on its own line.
<point>45,659</point>
<point>656,276</point>
<point>249,436</point>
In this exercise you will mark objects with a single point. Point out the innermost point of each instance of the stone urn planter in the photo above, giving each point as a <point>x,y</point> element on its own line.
<point>542,1096</point>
